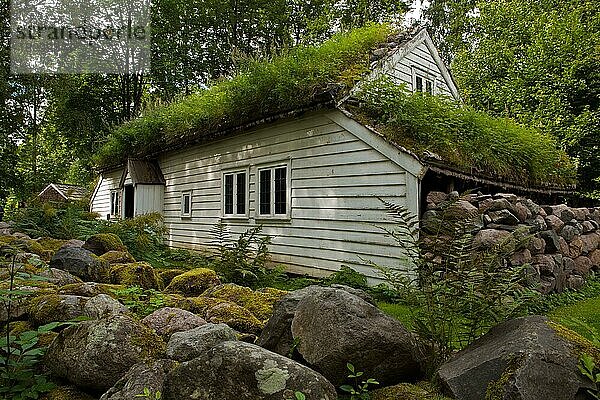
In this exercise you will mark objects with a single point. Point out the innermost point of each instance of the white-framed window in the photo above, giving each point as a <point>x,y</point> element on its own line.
<point>235,193</point>
<point>423,81</point>
<point>186,204</point>
<point>274,191</point>
<point>115,203</point>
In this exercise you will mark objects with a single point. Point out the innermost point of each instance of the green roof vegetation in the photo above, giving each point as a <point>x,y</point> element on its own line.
<point>263,89</point>
<point>463,138</point>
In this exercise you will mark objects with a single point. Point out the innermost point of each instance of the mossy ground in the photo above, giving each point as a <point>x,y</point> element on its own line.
<point>109,242</point>
<point>66,393</point>
<point>51,244</point>
<point>408,391</point>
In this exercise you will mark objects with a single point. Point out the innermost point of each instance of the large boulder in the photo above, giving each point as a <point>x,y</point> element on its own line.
<point>135,274</point>
<point>259,303</point>
<point>58,277</point>
<point>53,307</point>
<point>117,257</point>
<point>242,371</point>
<point>334,327</point>
<point>103,243</point>
<point>82,263</point>
<point>96,354</point>
<point>168,320</point>
<point>526,358</point>
<point>193,282</point>
<point>186,345</point>
<point>102,306</point>
<point>143,376</point>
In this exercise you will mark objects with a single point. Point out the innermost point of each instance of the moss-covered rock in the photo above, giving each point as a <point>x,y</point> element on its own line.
<point>95,354</point>
<point>117,257</point>
<point>196,305</point>
<point>237,317</point>
<point>90,289</point>
<point>7,243</point>
<point>18,327</point>
<point>193,282</point>
<point>135,274</point>
<point>53,307</point>
<point>408,391</point>
<point>104,242</point>
<point>66,393</point>
<point>259,303</point>
<point>82,263</point>
<point>51,244</point>
<point>168,275</point>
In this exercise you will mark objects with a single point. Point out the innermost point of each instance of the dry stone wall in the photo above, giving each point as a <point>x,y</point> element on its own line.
<point>564,248</point>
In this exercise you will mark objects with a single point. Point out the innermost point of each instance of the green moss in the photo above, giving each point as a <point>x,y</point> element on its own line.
<point>265,88</point>
<point>117,257</point>
<point>47,308</point>
<point>135,274</point>
<point>152,345</point>
<point>108,242</point>
<point>6,239</point>
<point>90,289</point>
<point>401,312</point>
<point>496,389</point>
<point>580,344</point>
<point>193,282</point>
<point>51,244</point>
<point>168,275</point>
<point>236,317</point>
<point>196,305</point>
<point>66,393</point>
<point>18,327</point>
<point>408,391</point>
<point>259,303</point>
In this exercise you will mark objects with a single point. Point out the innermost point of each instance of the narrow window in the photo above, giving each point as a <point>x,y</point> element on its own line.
<point>229,194</point>
<point>280,191</point>
<point>265,192</point>
<point>114,203</point>
<point>419,84</point>
<point>429,86</point>
<point>273,191</point>
<point>186,204</point>
<point>235,194</point>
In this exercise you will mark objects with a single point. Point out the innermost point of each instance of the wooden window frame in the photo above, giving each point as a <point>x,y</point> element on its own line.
<point>235,172</point>
<point>426,77</point>
<point>184,194</point>
<point>288,196</point>
<point>115,209</point>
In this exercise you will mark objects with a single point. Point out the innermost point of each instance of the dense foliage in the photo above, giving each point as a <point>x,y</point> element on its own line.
<point>465,138</point>
<point>534,61</point>
<point>262,89</point>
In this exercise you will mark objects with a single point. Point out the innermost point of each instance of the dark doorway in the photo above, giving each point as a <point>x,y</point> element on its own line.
<point>129,201</point>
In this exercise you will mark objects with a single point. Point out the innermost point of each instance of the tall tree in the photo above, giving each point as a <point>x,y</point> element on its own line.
<point>537,61</point>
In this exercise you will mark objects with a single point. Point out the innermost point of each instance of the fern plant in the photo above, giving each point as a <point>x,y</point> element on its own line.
<point>457,292</point>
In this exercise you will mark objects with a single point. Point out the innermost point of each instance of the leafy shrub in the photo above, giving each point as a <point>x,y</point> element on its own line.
<point>66,221</point>
<point>457,299</point>
<point>463,137</point>
<point>243,261</point>
<point>140,301</point>
<point>349,277</point>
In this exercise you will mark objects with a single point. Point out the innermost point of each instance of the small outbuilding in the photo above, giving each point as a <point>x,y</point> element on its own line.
<point>61,193</point>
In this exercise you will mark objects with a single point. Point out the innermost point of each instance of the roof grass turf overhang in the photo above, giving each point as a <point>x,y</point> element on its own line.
<point>460,137</point>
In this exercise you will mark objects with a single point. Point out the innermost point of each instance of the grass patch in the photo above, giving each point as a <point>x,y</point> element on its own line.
<point>401,312</point>
<point>582,317</point>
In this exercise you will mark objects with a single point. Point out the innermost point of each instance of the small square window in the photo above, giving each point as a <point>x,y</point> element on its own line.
<point>186,204</point>
<point>235,194</point>
<point>273,192</point>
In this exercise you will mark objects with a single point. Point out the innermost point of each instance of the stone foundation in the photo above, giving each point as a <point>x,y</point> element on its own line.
<point>564,248</point>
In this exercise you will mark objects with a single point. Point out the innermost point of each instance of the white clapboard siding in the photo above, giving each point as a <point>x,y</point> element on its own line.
<point>336,180</point>
<point>149,199</point>
<point>100,202</point>
<point>421,58</point>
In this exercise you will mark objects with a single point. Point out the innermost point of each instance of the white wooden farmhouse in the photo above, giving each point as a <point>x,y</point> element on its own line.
<point>312,178</point>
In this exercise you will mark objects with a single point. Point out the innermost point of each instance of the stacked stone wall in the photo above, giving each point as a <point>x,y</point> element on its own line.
<point>564,245</point>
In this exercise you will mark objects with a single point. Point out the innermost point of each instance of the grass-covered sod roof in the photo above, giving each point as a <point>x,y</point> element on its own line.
<point>460,137</point>
<point>465,139</point>
<point>263,89</point>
